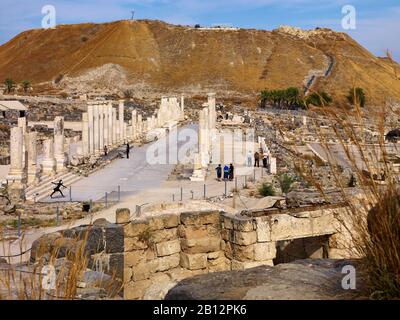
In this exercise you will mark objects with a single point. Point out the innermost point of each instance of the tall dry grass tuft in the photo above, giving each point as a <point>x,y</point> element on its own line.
<point>356,142</point>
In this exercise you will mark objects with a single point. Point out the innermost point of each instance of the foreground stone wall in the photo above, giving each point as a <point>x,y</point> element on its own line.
<point>169,248</point>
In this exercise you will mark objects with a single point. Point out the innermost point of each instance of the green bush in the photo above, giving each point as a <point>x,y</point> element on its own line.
<point>285,182</point>
<point>266,190</point>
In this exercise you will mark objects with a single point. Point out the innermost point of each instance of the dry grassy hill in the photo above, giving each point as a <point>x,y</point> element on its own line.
<point>153,56</point>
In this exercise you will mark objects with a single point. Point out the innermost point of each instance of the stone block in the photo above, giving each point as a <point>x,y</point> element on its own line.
<point>141,271</point>
<point>179,273</point>
<point>114,239</point>
<point>202,245</point>
<point>228,250</point>
<point>164,221</point>
<point>133,258</point>
<point>215,255</point>
<point>264,251</point>
<point>244,238</point>
<point>163,235</point>
<point>228,221</point>
<point>284,227</point>
<point>200,218</point>
<point>135,290</point>
<point>263,230</point>
<point>134,243</point>
<point>168,247</point>
<point>136,228</point>
<point>192,231</point>
<point>122,215</point>
<point>165,263</point>
<point>243,253</point>
<point>127,274</point>
<point>160,277</point>
<point>241,224</point>
<point>218,265</point>
<point>193,261</point>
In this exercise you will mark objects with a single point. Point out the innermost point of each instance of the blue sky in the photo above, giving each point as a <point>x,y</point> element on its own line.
<point>378,22</point>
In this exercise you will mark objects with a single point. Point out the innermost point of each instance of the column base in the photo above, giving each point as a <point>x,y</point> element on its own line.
<point>198,176</point>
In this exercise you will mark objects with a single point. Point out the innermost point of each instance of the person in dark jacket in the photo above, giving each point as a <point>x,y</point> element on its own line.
<point>256,159</point>
<point>231,172</point>
<point>128,149</point>
<point>219,172</point>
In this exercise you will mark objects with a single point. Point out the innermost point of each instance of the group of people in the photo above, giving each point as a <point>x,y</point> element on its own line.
<point>257,157</point>
<point>228,171</point>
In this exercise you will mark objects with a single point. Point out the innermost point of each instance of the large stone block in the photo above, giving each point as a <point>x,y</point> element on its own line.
<point>244,238</point>
<point>164,235</point>
<point>263,229</point>
<point>243,224</point>
<point>135,290</point>
<point>164,221</point>
<point>167,248</point>
<point>218,265</point>
<point>135,257</point>
<point>165,263</point>
<point>193,261</point>
<point>264,251</point>
<point>134,243</point>
<point>243,253</point>
<point>136,228</point>
<point>142,271</point>
<point>199,218</point>
<point>202,245</point>
<point>285,227</point>
<point>114,237</point>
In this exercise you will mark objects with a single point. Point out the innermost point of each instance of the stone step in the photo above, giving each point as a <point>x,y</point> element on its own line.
<point>46,193</point>
<point>46,180</point>
<point>47,184</point>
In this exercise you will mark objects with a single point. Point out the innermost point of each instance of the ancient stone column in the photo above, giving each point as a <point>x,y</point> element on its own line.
<point>101,127</point>
<point>110,124</point>
<point>134,124</point>
<point>121,121</point>
<point>96,130</point>
<point>31,146</point>
<point>90,114</point>
<point>105,113</point>
<point>85,135</point>
<point>59,154</point>
<point>22,124</point>
<point>16,174</point>
<point>114,127</point>
<point>212,111</point>
<point>48,163</point>
<point>273,168</point>
<point>139,124</point>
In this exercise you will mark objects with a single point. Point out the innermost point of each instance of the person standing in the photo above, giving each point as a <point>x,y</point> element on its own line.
<point>226,172</point>
<point>256,159</point>
<point>265,156</point>
<point>219,172</point>
<point>249,159</point>
<point>231,172</point>
<point>128,149</point>
<point>105,150</point>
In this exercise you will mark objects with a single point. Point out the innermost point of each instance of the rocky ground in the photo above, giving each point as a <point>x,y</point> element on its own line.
<point>299,280</point>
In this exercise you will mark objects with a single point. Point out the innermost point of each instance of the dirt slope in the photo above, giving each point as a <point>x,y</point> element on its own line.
<point>162,57</point>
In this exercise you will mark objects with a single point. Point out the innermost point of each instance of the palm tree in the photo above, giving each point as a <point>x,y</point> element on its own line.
<point>10,84</point>
<point>319,99</point>
<point>26,85</point>
<point>357,97</point>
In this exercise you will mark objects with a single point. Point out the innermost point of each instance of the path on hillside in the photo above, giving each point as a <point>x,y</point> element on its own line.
<point>326,74</point>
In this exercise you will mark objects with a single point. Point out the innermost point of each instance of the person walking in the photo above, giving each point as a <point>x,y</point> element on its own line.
<point>58,185</point>
<point>249,159</point>
<point>219,172</point>
<point>231,172</point>
<point>226,172</point>
<point>256,159</point>
<point>128,149</point>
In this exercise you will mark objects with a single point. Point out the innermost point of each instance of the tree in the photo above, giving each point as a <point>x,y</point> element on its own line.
<point>26,85</point>
<point>285,182</point>
<point>10,84</point>
<point>266,190</point>
<point>357,97</point>
<point>319,99</point>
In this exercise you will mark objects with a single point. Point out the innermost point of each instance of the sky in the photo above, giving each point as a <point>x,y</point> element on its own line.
<point>377,23</point>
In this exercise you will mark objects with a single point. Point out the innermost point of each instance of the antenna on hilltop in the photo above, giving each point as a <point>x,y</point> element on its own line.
<point>133,14</point>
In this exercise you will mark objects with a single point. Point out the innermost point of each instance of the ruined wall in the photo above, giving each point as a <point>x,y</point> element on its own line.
<point>169,248</point>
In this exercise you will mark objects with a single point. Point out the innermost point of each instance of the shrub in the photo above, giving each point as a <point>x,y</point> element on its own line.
<point>285,183</point>
<point>266,190</point>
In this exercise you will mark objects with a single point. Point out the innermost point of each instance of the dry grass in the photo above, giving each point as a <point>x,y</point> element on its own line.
<point>372,219</point>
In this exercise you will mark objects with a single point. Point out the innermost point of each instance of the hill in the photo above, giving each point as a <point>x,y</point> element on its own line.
<point>152,56</point>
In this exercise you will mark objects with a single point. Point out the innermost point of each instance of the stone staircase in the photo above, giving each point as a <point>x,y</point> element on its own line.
<point>44,188</point>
